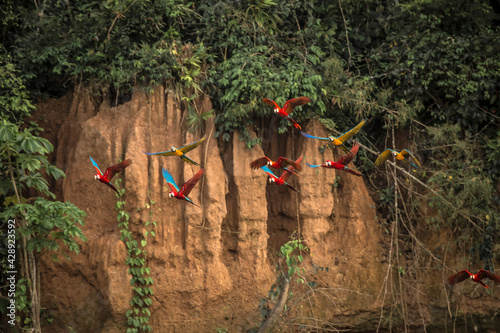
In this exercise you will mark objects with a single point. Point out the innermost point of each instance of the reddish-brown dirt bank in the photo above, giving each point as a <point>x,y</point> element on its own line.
<point>211,266</point>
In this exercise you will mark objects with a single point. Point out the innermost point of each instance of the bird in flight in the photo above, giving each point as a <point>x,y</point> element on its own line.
<point>341,164</point>
<point>182,193</point>
<point>288,108</point>
<point>284,176</point>
<point>401,156</point>
<point>339,141</point>
<point>110,172</point>
<point>465,274</point>
<point>181,152</point>
<point>281,163</point>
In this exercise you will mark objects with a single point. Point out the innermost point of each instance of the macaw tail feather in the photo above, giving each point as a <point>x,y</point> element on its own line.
<point>293,173</point>
<point>189,200</point>
<point>344,149</point>
<point>188,160</point>
<point>297,126</point>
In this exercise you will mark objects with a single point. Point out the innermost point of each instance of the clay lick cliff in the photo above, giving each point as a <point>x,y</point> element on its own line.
<point>211,266</point>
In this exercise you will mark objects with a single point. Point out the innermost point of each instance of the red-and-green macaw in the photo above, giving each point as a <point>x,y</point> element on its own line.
<point>401,156</point>
<point>288,107</point>
<point>281,163</point>
<point>182,193</point>
<point>465,274</point>
<point>110,172</point>
<point>339,141</point>
<point>181,152</point>
<point>284,176</point>
<point>341,164</point>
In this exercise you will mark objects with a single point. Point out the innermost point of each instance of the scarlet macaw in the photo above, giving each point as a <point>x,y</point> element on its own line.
<point>110,172</point>
<point>341,164</point>
<point>465,274</point>
<point>185,189</point>
<point>181,152</point>
<point>339,141</point>
<point>281,163</point>
<point>398,155</point>
<point>284,176</point>
<point>288,107</point>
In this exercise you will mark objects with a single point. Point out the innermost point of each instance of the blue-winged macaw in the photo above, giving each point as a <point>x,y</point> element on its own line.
<point>181,152</point>
<point>110,172</point>
<point>339,141</point>
<point>341,164</point>
<point>281,163</point>
<point>465,274</point>
<point>185,189</point>
<point>401,156</point>
<point>288,107</point>
<point>284,176</point>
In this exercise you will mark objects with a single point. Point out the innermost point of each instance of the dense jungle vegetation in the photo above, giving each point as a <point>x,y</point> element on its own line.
<point>429,69</point>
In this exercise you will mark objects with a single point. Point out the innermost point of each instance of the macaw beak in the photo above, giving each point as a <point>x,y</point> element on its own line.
<point>96,177</point>
<point>171,194</point>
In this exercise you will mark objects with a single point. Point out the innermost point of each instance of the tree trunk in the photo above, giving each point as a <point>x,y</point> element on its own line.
<point>275,315</point>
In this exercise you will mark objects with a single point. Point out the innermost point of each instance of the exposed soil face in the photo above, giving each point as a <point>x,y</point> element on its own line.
<point>212,265</point>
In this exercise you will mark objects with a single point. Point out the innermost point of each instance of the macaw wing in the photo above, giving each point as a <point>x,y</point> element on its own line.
<point>260,162</point>
<point>459,277</point>
<point>313,137</point>
<point>188,186</point>
<point>96,166</point>
<point>162,153</point>
<point>312,165</point>
<point>289,171</point>
<point>284,162</point>
<point>191,146</point>
<point>347,158</point>
<point>291,104</point>
<point>383,157</point>
<point>114,169</point>
<point>170,180</point>
<point>405,152</point>
<point>350,133</point>
<point>487,274</point>
<point>270,102</point>
<point>266,169</point>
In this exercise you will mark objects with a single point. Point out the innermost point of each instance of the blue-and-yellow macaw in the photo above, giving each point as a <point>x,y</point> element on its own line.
<point>181,152</point>
<point>339,141</point>
<point>401,156</point>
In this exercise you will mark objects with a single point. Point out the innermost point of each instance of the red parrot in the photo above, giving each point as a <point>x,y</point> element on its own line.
<point>288,107</point>
<point>110,172</point>
<point>185,189</point>
<point>341,164</point>
<point>465,274</point>
<point>284,176</point>
<point>281,163</point>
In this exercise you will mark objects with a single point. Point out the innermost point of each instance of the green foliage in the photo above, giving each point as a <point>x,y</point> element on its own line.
<point>139,314</point>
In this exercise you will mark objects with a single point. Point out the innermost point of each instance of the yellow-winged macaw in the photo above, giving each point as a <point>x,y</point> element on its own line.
<point>339,141</point>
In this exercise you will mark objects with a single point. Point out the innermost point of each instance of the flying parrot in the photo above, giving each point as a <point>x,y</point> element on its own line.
<point>181,152</point>
<point>341,164</point>
<point>281,163</point>
<point>465,274</point>
<point>288,107</point>
<point>339,141</point>
<point>185,189</point>
<point>398,155</point>
<point>110,172</point>
<point>284,176</point>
